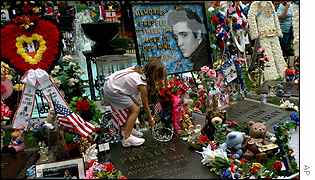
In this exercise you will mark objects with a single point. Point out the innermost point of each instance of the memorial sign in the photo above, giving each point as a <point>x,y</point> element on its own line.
<point>155,159</point>
<point>248,110</point>
<point>175,34</point>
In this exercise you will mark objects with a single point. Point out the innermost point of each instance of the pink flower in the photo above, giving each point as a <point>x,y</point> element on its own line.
<point>240,61</point>
<point>6,89</point>
<point>204,69</point>
<point>89,174</point>
<point>260,49</point>
<point>267,58</point>
<point>212,73</point>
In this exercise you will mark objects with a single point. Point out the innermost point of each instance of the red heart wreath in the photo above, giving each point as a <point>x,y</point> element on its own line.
<point>30,43</point>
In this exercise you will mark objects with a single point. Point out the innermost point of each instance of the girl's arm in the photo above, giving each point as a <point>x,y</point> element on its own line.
<point>145,102</point>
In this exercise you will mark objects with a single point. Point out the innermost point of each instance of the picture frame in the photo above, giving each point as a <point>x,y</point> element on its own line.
<point>70,169</point>
<point>158,36</point>
<point>229,70</point>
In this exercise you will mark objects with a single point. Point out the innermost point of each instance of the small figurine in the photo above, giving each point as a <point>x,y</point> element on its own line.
<point>43,151</point>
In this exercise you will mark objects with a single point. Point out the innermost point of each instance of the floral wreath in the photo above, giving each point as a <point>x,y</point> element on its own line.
<point>30,42</point>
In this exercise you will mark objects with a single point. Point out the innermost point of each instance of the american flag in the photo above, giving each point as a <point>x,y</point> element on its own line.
<point>120,116</point>
<point>157,108</point>
<point>73,121</point>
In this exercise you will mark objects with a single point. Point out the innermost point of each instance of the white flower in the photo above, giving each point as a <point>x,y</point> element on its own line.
<point>67,58</point>
<point>72,64</point>
<point>71,82</point>
<point>57,82</point>
<point>210,9</point>
<point>56,69</point>
<point>209,155</point>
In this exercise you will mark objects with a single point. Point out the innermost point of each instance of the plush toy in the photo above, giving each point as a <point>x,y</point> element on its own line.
<point>256,144</point>
<point>214,120</point>
<point>295,117</point>
<point>16,144</point>
<point>234,144</point>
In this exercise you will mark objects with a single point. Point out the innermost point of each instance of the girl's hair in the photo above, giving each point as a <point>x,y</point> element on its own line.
<point>154,72</point>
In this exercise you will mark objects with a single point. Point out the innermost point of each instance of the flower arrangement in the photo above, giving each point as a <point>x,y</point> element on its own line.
<point>86,108</point>
<point>103,171</point>
<point>236,16</point>
<point>218,28</point>
<point>171,102</point>
<point>30,42</point>
<point>67,76</point>
<point>211,84</point>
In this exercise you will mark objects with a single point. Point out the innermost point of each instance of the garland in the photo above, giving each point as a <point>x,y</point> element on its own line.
<point>30,42</point>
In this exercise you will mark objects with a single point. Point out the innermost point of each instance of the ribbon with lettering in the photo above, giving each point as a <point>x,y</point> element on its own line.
<point>40,80</point>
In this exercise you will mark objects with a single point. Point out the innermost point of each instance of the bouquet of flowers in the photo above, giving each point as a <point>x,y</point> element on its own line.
<point>86,108</point>
<point>171,102</point>
<point>67,76</point>
<point>103,171</point>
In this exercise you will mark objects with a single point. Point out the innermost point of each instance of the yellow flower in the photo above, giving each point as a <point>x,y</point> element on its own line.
<point>28,40</point>
<point>18,87</point>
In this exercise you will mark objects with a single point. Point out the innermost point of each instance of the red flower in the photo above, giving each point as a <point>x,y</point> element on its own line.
<point>83,105</point>
<point>231,123</point>
<point>213,145</point>
<point>243,161</point>
<point>109,167</point>
<point>221,44</point>
<point>203,139</point>
<point>215,20</point>
<point>277,165</point>
<point>90,163</point>
<point>5,111</point>
<point>289,72</point>
<point>122,177</point>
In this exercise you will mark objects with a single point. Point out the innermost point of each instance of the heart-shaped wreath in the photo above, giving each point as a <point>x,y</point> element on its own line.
<point>30,42</point>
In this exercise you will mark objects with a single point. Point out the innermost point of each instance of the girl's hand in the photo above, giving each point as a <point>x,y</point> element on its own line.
<point>151,121</point>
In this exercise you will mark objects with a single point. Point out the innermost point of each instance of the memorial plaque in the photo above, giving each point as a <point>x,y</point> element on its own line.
<point>155,159</point>
<point>246,110</point>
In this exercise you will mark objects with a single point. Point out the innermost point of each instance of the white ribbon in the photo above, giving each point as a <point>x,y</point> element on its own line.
<point>39,80</point>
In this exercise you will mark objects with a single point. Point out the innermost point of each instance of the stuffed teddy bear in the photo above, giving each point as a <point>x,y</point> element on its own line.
<point>214,119</point>
<point>256,144</point>
<point>234,144</point>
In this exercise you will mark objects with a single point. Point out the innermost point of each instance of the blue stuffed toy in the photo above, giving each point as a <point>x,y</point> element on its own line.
<point>234,144</point>
<point>295,117</point>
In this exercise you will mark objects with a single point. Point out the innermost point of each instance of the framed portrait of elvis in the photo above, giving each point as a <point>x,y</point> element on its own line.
<point>174,33</point>
<point>69,169</point>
